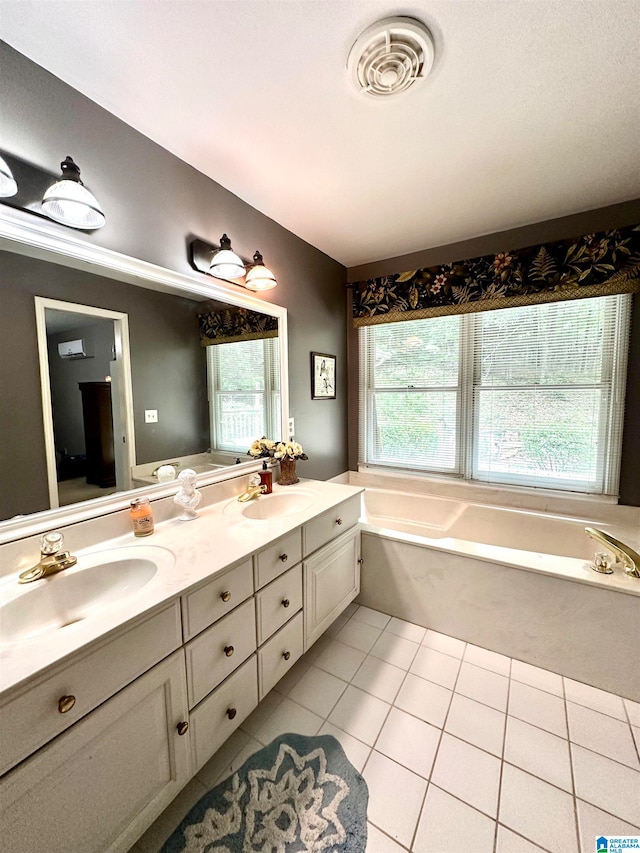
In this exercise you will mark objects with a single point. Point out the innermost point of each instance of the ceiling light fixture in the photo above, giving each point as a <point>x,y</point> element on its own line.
<point>260,277</point>
<point>8,185</point>
<point>390,56</point>
<point>225,263</point>
<point>69,202</point>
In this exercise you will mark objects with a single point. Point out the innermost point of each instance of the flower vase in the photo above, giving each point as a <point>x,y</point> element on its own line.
<point>288,476</point>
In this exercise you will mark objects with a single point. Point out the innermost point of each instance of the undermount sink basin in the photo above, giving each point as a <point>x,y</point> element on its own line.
<point>275,506</point>
<point>98,580</point>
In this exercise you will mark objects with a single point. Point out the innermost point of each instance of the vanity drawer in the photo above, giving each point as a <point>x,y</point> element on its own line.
<point>330,524</point>
<point>33,717</point>
<point>275,560</point>
<point>213,655</point>
<point>277,656</point>
<point>220,714</point>
<point>205,605</point>
<point>276,603</point>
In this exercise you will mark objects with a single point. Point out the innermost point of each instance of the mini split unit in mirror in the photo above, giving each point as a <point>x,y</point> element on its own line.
<point>63,198</point>
<point>222,262</point>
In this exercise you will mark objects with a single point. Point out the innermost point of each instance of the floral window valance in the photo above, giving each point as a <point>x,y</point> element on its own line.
<point>235,324</point>
<point>594,265</point>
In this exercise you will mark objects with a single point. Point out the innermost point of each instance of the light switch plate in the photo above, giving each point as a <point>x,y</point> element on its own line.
<point>151,416</point>
<point>292,427</point>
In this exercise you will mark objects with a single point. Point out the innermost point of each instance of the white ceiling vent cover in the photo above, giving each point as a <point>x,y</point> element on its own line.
<point>389,56</point>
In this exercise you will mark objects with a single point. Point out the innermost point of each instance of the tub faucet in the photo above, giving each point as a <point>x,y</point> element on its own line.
<point>254,489</point>
<point>52,559</point>
<point>625,554</point>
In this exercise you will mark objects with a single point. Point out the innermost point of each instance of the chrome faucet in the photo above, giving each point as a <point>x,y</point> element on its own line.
<point>52,559</point>
<point>254,489</point>
<point>629,558</point>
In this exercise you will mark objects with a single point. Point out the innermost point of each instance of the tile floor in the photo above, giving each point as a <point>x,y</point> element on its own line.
<point>464,750</point>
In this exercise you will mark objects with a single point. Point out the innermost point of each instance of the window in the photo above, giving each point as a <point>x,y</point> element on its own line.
<point>244,392</point>
<point>526,396</point>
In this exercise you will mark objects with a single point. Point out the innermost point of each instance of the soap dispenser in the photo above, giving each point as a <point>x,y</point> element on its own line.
<point>266,478</point>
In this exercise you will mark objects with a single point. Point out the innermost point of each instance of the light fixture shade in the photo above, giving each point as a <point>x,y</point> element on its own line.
<point>225,263</point>
<point>260,277</point>
<point>69,202</point>
<point>8,185</point>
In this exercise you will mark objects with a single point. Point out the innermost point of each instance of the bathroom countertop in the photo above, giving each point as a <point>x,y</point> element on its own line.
<point>218,538</point>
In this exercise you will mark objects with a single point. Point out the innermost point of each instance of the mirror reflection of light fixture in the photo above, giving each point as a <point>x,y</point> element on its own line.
<point>225,263</point>
<point>69,202</point>
<point>260,277</point>
<point>8,185</point>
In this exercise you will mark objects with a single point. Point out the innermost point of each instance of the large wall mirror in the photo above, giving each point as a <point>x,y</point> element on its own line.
<point>111,367</point>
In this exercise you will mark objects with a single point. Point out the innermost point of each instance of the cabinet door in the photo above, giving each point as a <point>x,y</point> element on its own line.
<point>331,582</point>
<point>99,785</point>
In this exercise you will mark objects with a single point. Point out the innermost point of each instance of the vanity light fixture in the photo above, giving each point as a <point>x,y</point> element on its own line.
<point>69,202</point>
<point>225,263</point>
<point>8,185</point>
<point>260,277</point>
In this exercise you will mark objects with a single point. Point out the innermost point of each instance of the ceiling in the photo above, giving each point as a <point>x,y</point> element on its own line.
<point>531,111</point>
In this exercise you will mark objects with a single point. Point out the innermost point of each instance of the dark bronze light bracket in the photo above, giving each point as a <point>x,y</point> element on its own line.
<point>32,184</point>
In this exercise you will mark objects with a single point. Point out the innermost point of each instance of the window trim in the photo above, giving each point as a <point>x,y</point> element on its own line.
<point>613,375</point>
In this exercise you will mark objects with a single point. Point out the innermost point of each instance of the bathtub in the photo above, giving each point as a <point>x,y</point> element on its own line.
<point>516,581</point>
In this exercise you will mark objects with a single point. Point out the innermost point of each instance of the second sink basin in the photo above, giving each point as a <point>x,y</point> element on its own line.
<point>275,506</point>
<point>70,596</point>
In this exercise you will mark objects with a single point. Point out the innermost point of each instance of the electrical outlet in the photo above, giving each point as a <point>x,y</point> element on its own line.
<point>151,416</point>
<point>292,427</point>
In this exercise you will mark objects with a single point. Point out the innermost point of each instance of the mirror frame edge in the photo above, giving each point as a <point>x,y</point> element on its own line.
<point>20,234</point>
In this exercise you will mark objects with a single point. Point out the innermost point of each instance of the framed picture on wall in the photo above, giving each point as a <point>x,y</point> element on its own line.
<point>323,376</point>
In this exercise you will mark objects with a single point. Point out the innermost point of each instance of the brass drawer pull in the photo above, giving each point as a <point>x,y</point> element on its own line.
<point>338,521</point>
<point>228,650</point>
<point>286,655</point>
<point>284,557</point>
<point>285,602</point>
<point>183,728</point>
<point>231,712</point>
<point>226,595</point>
<point>66,703</point>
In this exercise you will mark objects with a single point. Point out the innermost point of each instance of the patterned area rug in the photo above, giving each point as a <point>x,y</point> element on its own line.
<point>297,795</point>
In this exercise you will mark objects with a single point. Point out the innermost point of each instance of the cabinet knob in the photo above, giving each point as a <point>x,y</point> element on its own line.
<point>226,595</point>
<point>285,602</point>
<point>228,650</point>
<point>182,727</point>
<point>338,521</point>
<point>284,557</point>
<point>286,655</point>
<point>66,703</point>
<point>231,712</point>
<point>360,561</point>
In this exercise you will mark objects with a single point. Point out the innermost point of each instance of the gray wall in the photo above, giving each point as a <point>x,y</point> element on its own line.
<point>627,213</point>
<point>65,374</point>
<point>168,368</point>
<point>155,203</point>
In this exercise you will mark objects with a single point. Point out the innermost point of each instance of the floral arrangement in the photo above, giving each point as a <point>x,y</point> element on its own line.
<point>264,446</point>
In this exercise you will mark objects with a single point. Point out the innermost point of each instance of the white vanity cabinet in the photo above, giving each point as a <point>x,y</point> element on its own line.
<point>98,786</point>
<point>94,748</point>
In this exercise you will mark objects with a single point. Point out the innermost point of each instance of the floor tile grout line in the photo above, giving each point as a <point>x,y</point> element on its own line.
<point>608,757</point>
<point>608,813</point>
<point>436,752</point>
<point>524,837</point>
<point>504,743</point>
<point>386,835</point>
<point>636,742</point>
<point>573,781</point>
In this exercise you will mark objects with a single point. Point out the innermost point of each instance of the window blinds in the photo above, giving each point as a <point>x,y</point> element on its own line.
<point>527,396</point>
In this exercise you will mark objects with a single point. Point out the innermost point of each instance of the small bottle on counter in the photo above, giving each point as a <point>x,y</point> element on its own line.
<point>141,516</point>
<point>266,478</point>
